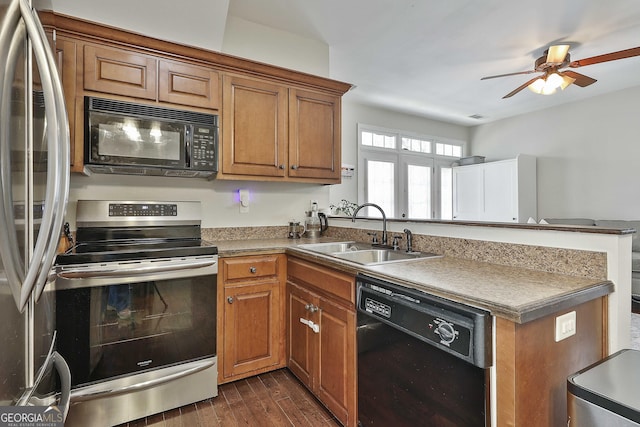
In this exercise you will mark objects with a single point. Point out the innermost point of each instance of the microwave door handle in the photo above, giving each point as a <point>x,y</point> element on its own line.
<point>136,271</point>
<point>57,130</point>
<point>11,42</point>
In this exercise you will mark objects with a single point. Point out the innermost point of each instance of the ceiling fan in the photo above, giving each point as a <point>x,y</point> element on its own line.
<point>553,63</point>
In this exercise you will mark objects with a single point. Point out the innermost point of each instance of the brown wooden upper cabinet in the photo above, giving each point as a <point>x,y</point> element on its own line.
<point>187,84</point>
<point>277,124</point>
<point>254,127</point>
<point>138,75</point>
<point>120,72</point>
<point>314,135</point>
<point>279,133</point>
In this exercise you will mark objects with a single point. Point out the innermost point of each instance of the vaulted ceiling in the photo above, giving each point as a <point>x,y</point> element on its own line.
<point>422,57</point>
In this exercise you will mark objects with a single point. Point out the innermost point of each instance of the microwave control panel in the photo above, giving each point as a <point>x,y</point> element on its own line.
<point>203,149</point>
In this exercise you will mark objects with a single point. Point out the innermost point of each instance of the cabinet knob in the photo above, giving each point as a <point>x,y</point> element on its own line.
<point>281,166</point>
<point>252,270</point>
<point>230,300</point>
<point>310,307</point>
<point>294,167</point>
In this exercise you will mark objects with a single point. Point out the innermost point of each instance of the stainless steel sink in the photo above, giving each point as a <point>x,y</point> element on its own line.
<point>379,256</point>
<point>364,253</point>
<point>335,247</point>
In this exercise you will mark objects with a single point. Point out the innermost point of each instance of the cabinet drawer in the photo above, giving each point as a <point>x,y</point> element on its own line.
<point>250,268</point>
<point>327,281</point>
<point>120,72</point>
<point>188,85</point>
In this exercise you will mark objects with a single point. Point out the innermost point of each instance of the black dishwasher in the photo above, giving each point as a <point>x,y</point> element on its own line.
<point>422,360</point>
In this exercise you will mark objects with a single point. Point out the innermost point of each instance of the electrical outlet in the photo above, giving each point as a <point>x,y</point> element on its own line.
<point>565,326</point>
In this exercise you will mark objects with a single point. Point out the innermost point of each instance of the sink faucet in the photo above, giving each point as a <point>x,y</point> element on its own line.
<point>409,240</point>
<point>384,219</point>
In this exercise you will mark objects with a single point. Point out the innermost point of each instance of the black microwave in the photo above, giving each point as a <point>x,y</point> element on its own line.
<point>138,139</point>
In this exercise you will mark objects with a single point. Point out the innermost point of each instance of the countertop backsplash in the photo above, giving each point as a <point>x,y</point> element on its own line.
<point>554,260</point>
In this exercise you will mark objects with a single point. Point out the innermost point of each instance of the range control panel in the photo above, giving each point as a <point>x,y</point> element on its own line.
<point>453,327</point>
<point>143,209</point>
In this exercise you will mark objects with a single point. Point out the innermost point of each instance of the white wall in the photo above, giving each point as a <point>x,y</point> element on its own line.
<point>588,154</point>
<point>163,19</point>
<point>264,44</point>
<point>271,203</point>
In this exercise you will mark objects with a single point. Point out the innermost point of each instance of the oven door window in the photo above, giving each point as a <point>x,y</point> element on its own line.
<point>111,331</point>
<point>120,140</point>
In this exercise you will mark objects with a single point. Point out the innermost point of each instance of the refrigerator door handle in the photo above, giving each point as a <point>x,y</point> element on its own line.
<point>12,35</point>
<point>58,155</point>
<point>53,360</point>
<point>57,131</point>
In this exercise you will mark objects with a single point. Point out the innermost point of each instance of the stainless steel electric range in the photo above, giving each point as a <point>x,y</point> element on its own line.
<point>136,310</point>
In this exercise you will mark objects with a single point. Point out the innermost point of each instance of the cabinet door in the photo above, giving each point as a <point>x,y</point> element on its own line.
<point>468,190</point>
<point>66,55</point>
<point>336,373</point>
<point>120,72</point>
<point>252,320</point>
<point>254,131</point>
<point>314,136</point>
<point>301,341</point>
<point>188,84</point>
<point>500,191</point>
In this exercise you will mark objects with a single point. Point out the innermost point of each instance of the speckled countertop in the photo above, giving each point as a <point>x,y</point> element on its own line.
<point>514,293</point>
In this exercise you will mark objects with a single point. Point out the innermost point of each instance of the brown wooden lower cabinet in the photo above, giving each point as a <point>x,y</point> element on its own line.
<point>321,335</point>
<point>252,316</point>
<point>532,369</point>
<point>312,330</point>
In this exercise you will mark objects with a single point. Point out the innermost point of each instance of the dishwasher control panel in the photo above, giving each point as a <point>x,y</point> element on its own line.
<point>456,328</point>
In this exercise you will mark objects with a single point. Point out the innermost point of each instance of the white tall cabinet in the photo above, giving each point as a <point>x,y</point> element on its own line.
<point>502,191</point>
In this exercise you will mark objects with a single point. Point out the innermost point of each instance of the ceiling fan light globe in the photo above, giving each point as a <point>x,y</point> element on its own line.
<point>542,87</point>
<point>566,81</point>
<point>537,86</point>
<point>554,81</point>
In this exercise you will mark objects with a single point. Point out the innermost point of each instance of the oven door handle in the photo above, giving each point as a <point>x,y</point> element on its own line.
<point>136,270</point>
<point>100,390</point>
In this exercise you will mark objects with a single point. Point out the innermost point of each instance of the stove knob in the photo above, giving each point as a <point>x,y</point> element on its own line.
<point>446,331</point>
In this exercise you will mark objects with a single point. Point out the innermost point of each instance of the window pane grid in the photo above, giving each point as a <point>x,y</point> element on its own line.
<point>381,187</point>
<point>407,175</point>
<point>450,150</point>
<point>372,139</point>
<point>419,191</point>
<point>416,145</point>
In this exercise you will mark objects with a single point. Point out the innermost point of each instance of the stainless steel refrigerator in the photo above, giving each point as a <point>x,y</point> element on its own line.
<point>34,186</point>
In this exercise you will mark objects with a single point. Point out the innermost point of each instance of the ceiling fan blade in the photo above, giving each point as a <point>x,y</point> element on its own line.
<point>513,92</point>
<point>508,74</point>
<point>581,79</point>
<point>613,56</point>
<point>557,54</point>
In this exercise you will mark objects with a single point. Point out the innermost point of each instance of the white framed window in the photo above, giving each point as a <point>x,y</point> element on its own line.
<point>407,175</point>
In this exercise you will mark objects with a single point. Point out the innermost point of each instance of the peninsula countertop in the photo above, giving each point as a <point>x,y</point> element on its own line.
<point>516,294</point>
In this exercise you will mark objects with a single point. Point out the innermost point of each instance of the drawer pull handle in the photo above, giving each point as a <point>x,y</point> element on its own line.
<point>253,270</point>
<point>314,326</point>
<point>230,300</point>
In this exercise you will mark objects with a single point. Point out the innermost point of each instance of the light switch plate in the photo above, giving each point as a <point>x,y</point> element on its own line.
<point>565,326</point>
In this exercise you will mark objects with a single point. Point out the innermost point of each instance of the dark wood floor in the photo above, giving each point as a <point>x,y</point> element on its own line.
<point>272,399</point>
